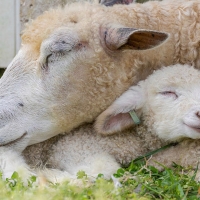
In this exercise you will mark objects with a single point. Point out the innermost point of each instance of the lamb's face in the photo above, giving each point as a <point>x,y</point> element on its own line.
<point>168,102</point>
<point>66,72</point>
<point>173,102</point>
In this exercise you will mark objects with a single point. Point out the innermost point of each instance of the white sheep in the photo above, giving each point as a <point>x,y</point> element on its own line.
<point>74,62</point>
<point>168,104</point>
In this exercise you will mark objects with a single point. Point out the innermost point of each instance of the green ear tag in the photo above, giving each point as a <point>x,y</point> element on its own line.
<point>134,117</point>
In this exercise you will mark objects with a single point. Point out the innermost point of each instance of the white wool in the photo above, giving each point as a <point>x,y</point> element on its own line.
<point>84,149</point>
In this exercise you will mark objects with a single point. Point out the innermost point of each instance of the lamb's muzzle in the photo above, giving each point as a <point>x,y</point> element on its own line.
<point>192,119</point>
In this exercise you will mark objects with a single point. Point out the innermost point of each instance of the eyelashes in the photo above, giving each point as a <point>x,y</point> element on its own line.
<point>45,65</point>
<point>170,94</point>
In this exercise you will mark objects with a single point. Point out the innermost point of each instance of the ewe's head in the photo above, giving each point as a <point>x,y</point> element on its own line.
<point>70,67</point>
<point>168,101</point>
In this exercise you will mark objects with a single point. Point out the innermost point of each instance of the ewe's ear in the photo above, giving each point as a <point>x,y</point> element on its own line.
<point>113,2</point>
<point>116,38</point>
<point>117,117</point>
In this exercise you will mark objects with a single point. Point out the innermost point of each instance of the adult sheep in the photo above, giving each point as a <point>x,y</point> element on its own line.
<point>168,109</point>
<point>74,62</point>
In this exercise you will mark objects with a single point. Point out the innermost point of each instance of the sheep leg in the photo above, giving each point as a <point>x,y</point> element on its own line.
<point>10,162</point>
<point>93,165</point>
<point>55,175</point>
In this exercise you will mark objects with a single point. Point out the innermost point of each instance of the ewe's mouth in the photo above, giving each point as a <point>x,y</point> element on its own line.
<point>14,141</point>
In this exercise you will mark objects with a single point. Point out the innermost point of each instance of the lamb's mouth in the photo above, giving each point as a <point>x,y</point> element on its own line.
<point>195,128</point>
<point>14,141</point>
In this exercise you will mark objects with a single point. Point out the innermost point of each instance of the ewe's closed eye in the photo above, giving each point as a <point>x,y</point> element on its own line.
<point>171,94</point>
<point>45,65</point>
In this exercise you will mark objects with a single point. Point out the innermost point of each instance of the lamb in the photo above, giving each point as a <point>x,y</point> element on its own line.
<point>167,103</point>
<point>74,62</point>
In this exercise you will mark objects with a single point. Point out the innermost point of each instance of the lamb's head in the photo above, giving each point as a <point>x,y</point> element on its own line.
<point>168,102</point>
<point>69,58</point>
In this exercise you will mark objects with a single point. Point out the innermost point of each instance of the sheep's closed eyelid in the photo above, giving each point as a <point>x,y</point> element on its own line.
<point>62,46</point>
<point>169,93</point>
<point>48,57</point>
<point>45,65</point>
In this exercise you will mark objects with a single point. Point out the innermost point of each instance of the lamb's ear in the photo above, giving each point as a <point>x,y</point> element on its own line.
<point>116,38</point>
<point>116,117</point>
<point>113,2</point>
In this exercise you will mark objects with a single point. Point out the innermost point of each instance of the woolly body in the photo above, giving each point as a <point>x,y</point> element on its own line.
<point>169,112</point>
<point>74,62</point>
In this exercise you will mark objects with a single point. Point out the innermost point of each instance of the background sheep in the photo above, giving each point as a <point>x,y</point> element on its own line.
<point>169,110</point>
<point>74,62</point>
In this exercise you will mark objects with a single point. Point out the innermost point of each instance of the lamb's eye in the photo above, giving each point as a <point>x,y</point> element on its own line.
<point>169,94</point>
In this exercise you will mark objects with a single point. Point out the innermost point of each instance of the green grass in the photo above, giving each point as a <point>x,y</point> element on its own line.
<point>138,182</point>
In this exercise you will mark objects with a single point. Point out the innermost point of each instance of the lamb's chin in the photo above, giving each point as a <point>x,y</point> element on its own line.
<point>192,131</point>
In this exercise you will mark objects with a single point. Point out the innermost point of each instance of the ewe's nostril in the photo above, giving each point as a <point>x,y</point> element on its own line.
<point>198,114</point>
<point>21,104</point>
